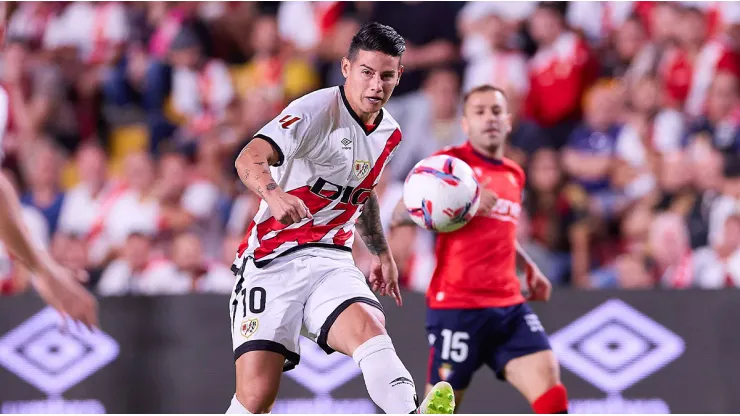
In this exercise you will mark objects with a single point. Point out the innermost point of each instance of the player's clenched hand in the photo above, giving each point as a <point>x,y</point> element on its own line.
<point>61,289</point>
<point>287,208</point>
<point>539,286</point>
<point>384,278</point>
<point>488,198</point>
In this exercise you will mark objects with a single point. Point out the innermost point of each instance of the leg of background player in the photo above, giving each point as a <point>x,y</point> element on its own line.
<point>359,332</point>
<point>537,377</point>
<point>257,381</point>
<point>459,395</point>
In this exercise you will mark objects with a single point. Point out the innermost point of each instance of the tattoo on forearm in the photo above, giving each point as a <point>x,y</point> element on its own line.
<point>271,186</point>
<point>370,227</point>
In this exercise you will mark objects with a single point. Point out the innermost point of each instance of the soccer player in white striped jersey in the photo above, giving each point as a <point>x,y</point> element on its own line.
<point>315,166</point>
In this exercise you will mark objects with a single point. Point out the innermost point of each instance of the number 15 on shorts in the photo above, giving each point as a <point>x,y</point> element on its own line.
<point>454,346</point>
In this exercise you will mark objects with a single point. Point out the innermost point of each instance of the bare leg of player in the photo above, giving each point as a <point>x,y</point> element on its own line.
<point>359,332</point>
<point>257,382</point>
<point>537,377</point>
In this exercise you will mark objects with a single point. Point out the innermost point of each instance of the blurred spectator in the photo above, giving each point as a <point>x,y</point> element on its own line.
<point>679,62</point>
<point>305,24</point>
<point>727,202</point>
<point>97,31</point>
<point>41,171</point>
<point>670,251</point>
<point>82,203</point>
<point>89,202</point>
<point>138,271</point>
<point>706,167</point>
<point>588,156</point>
<point>497,64</point>
<point>201,87</point>
<point>194,272</point>
<point>717,267</point>
<point>721,125</point>
<point>559,73</point>
<point>558,213</point>
<point>136,209</point>
<point>431,36</point>
<point>429,119</point>
<point>526,136</point>
<point>72,251</point>
<point>662,20</point>
<point>648,134</point>
<point>272,72</point>
<point>598,20</point>
<point>322,29</point>
<point>29,100</point>
<point>629,270</point>
<point>719,54</point>
<point>634,56</point>
<point>187,202</point>
<point>30,20</point>
<point>674,182</point>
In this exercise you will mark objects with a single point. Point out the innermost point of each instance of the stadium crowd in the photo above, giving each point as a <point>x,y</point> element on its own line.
<point>125,120</point>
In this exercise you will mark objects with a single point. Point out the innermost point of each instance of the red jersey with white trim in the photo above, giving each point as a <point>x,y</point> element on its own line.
<point>476,265</point>
<point>329,159</point>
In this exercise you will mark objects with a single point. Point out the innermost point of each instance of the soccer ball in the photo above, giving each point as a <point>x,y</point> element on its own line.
<point>441,193</point>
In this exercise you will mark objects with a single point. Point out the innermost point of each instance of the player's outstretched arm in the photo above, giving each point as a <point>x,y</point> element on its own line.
<point>384,272</point>
<point>253,166</point>
<point>58,286</point>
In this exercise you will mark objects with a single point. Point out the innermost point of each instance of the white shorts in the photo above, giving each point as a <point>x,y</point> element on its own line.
<point>299,294</point>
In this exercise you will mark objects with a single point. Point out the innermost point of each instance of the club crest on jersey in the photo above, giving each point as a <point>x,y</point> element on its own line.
<point>361,168</point>
<point>249,327</point>
<point>445,371</point>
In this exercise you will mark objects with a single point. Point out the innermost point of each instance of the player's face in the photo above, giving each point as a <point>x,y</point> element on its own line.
<point>371,78</point>
<point>486,119</point>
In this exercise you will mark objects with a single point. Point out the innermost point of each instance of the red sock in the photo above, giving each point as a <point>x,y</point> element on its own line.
<point>553,401</point>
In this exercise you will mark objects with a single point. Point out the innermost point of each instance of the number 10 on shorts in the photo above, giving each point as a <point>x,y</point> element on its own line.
<point>257,300</point>
<point>454,345</point>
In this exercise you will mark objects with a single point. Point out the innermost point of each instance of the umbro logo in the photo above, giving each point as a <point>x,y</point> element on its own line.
<point>345,143</point>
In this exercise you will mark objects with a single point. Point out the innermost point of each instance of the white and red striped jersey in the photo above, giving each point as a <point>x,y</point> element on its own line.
<point>329,159</point>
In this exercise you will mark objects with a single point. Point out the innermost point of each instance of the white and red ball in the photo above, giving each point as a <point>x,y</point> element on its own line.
<point>441,193</point>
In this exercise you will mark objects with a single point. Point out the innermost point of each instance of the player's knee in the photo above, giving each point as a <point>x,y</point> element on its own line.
<point>357,324</point>
<point>372,325</point>
<point>256,397</point>
<point>550,368</point>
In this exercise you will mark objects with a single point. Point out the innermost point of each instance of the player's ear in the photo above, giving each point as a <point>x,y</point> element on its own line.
<point>509,118</point>
<point>345,67</point>
<point>400,72</point>
<point>464,122</point>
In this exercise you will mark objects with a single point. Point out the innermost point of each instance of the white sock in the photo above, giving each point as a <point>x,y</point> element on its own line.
<point>237,408</point>
<point>387,379</point>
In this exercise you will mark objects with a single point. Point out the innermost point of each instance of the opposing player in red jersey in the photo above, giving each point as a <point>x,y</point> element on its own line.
<point>476,313</point>
<point>57,286</point>
<point>296,275</point>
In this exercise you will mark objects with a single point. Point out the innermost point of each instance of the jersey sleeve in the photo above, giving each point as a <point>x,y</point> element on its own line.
<point>287,133</point>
